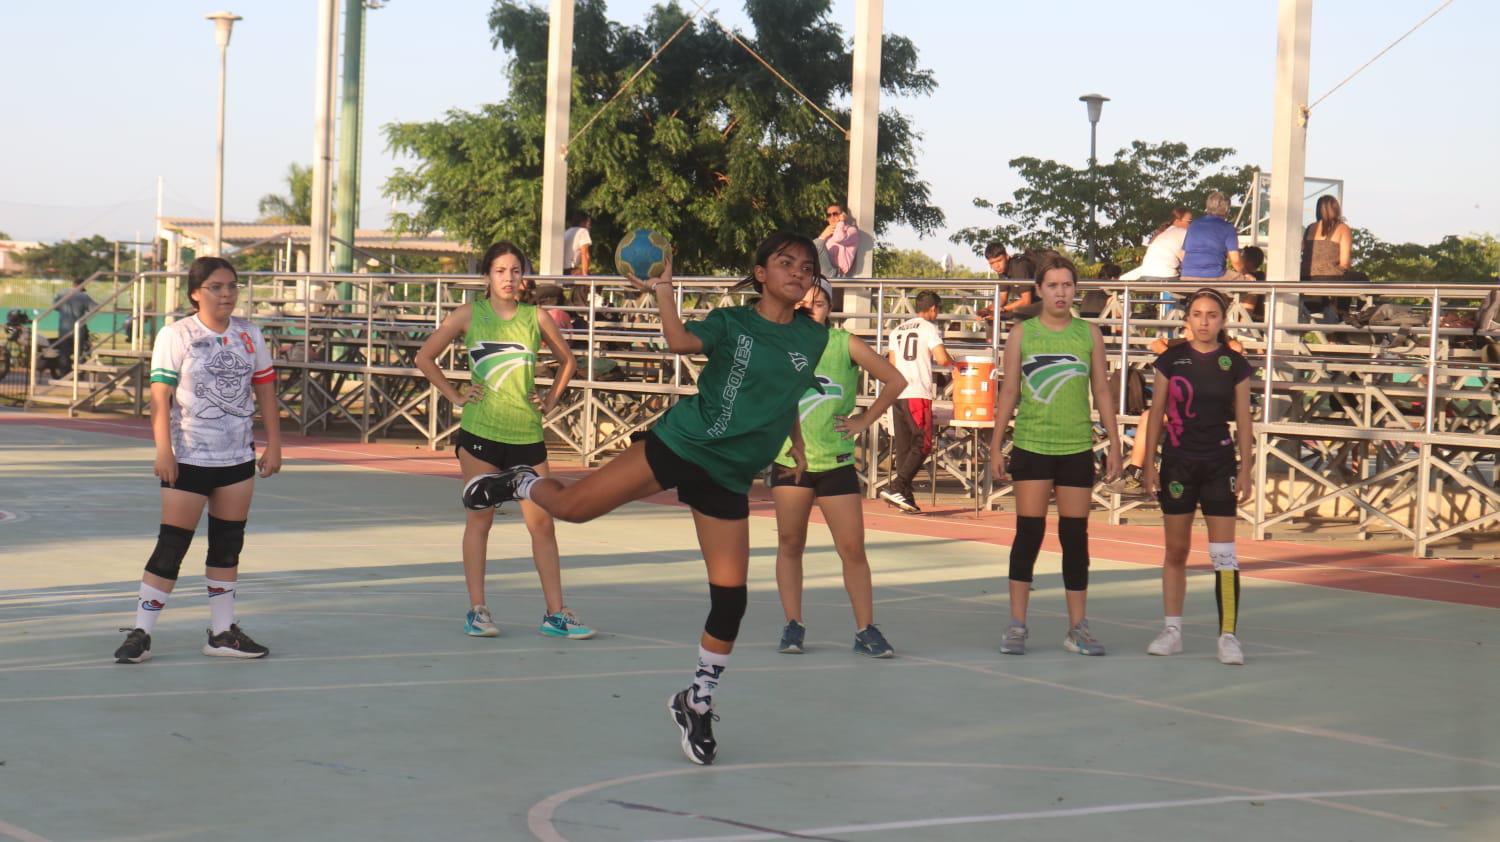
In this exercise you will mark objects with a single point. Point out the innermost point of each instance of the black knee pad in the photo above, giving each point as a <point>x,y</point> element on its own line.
<point>225,540</point>
<point>726,607</point>
<point>171,547</point>
<point>1023,550</point>
<point>1073,534</point>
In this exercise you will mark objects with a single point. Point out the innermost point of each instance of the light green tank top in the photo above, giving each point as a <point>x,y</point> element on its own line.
<point>834,396</point>
<point>1054,417</point>
<point>502,358</point>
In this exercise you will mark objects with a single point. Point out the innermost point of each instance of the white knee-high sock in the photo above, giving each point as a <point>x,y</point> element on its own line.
<point>706,679</point>
<point>221,605</point>
<point>148,607</point>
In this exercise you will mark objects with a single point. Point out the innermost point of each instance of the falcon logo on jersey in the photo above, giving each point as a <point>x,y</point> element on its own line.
<point>799,361</point>
<point>823,391</point>
<point>493,362</point>
<point>1047,373</point>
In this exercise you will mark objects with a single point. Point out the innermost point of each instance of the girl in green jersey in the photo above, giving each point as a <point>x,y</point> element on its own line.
<point>709,446</point>
<point>1052,363</point>
<point>830,432</point>
<point>501,425</point>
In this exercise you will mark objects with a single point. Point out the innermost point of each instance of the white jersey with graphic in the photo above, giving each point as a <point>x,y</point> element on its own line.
<point>911,343</point>
<point>211,374</point>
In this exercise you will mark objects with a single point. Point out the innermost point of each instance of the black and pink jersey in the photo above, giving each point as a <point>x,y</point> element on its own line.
<point>1200,398</point>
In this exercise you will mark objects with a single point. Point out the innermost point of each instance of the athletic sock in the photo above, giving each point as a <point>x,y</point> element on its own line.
<point>220,605</point>
<point>1175,622</point>
<point>1226,584</point>
<point>706,679</point>
<point>523,486</point>
<point>148,607</point>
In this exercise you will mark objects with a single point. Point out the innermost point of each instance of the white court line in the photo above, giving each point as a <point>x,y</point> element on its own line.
<point>378,685</point>
<point>539,817</point>
<point>20,834</point>
<point>1102,809</point>
<point>228,663</point>
<point>1099,539</point>
<point>1340,736</point>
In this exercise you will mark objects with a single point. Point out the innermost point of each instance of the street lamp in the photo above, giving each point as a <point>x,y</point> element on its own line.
<point>223,24</point>
<point>1095,103</point>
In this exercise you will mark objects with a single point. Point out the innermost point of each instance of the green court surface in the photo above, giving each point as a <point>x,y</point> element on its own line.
<point>1360,715</point>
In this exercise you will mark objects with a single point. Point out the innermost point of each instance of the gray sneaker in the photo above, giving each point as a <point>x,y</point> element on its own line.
<point>1081,641</point>
<point>791,638</point>
<point>1014,642</point>
<point>869,641</point>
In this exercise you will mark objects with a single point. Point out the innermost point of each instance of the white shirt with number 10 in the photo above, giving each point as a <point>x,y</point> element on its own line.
<point>911,344</point>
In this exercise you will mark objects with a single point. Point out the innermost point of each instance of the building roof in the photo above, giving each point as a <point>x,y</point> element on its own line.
<point>371,240</point>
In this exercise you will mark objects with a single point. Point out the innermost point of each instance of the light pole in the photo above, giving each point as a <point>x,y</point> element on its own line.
<point>1095,104</point>
<point>223,24</point>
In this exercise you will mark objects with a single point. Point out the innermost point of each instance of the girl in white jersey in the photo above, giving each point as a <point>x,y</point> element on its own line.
<point>204,371</point>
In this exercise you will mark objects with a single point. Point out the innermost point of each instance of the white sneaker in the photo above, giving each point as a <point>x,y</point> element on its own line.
<point>1169,642</point>
<point>1229,650</point>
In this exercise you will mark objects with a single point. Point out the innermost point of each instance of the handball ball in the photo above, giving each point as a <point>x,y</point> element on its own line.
<point>643,251</point>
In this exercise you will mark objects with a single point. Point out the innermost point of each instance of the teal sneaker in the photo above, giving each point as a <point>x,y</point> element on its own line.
<point>479,623</point>
<point>564,623</point>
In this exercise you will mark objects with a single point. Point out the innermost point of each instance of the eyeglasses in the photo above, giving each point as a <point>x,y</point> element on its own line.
<point>835,213</point>
<point>222,289</point>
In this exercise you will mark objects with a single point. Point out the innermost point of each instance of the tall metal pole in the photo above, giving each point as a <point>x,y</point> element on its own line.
<point>348,189</point>
<point>223,26</point>
<point>1289,140</point>
<point>554,142</point>
<point>864,131</point>
<point>1095,104</point>
<point>323,135</point>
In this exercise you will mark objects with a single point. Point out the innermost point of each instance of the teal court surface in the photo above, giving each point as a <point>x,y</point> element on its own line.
<point>1366,711</point>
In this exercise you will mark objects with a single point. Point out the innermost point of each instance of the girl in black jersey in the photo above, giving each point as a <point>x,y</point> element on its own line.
<point>1201,385</point>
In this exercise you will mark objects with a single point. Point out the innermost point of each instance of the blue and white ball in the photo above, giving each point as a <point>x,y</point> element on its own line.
<point>644,252</point>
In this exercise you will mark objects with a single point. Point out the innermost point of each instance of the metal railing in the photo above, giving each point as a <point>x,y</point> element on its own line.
<point>1383,429</point>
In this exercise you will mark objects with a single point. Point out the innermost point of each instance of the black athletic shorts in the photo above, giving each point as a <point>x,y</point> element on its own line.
<point>694,486</point>
<point>1074,470</point>
<point>839,481</point>
<point>1189,484</point>
<point>199,479</point>
<point>498,453</point>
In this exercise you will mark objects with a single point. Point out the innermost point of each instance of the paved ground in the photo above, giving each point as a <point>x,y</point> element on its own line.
<point>1365,712</point>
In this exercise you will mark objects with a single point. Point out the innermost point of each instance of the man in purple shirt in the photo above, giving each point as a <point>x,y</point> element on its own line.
<point>841,239</point>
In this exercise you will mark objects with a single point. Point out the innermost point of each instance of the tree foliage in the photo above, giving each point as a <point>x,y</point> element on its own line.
<point>72,259</point>
<point>294,208</point>
<point>911,263</point>
<point>1134,193</point>
<point>1453,258</point>
<point>706,146</point>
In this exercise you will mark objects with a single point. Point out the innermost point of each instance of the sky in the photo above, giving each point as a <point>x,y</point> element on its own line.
<point>102,98</point>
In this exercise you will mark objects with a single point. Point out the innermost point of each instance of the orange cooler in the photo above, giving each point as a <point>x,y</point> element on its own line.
<point>974,389</point>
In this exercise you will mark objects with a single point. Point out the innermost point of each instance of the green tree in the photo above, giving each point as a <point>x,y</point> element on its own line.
<point>294,208</point>
<point>1134,193</point>
<point>1453,258</point>
<point>707,145</point>
<point>4,236</point>
<point>72,259</point>
<point>911,263</point>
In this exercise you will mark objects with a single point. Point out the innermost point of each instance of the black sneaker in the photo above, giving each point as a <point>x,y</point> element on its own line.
<point>792,638</point>
<point>901,500</point>
<point>233,644</point>
<point>487,491</point>
<point>869,641</point>
<point>697,729</point>
<point>135,649</point>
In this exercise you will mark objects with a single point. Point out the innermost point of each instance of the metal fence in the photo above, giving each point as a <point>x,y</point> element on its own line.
<point>1384,430</point>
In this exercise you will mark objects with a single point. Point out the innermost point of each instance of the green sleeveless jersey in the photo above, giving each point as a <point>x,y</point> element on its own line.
<point>832,397</point>
<point>747,393</point>
<point>1054,417</point>
<point>502,358</point>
